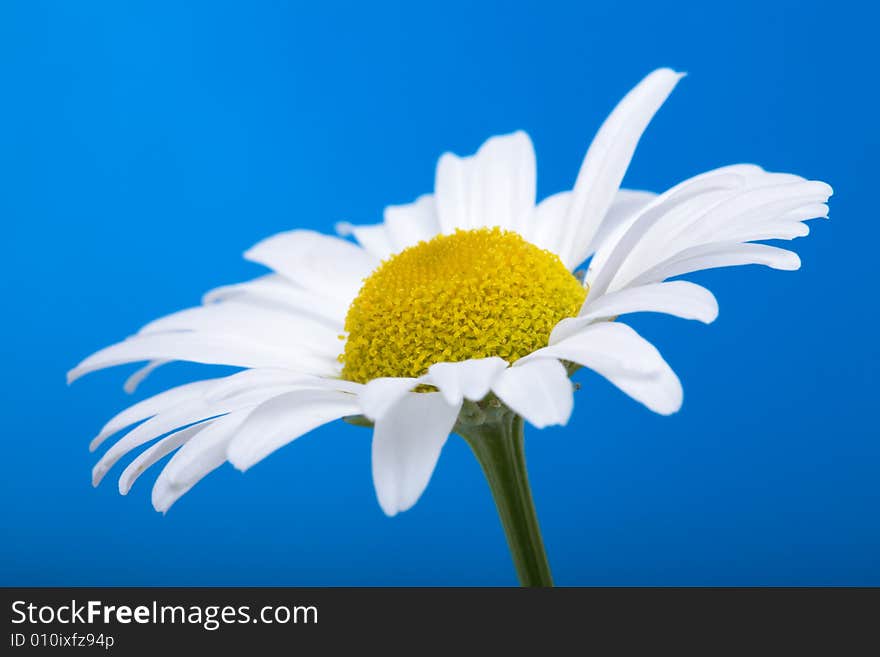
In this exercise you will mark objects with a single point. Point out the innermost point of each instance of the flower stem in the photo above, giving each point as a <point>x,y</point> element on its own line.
<point>498,445</point>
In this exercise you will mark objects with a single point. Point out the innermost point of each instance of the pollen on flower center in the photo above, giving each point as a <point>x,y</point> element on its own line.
<point>472,294</point>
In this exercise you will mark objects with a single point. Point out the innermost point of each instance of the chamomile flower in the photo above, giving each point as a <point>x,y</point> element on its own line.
<point>461,312</point>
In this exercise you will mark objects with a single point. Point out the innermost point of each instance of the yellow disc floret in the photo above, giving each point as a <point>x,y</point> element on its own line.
<point>472,294</point>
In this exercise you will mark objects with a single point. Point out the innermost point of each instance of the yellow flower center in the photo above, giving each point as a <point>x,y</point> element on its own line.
<point>473,294</point>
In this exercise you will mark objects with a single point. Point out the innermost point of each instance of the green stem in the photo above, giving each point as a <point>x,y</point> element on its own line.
<point>498,446</point>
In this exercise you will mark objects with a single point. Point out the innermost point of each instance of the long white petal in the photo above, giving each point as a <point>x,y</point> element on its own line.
<point>151,406</point>
<point>274,328</point>
<point>246,380</point>
<point>469,379</point>
<point>281,420</point>
<point>623,211</point>
<point>702,189</point>
<point>548,228</point>
<point>374,238</point>
<point>626,359</point>
<point>752,206</point>
<point>208,349</point>
<point>725,254</point>
<point>406,445</point>
<point>154,453</point>
<point>678,298</point>
<point>275,291</point>
<point>319,263</point>
<point>198,457</point>
<point>494,187</point>
<point>609,156</point>
<point>177,417</point>
<point>132,382</point>
<point>538,390</point>
<point>758,204</point>
<point>412,223</point>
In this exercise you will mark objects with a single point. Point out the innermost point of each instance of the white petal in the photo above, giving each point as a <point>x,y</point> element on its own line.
<point>151,406</point>
<point>623,211</point>
<point>626,359</point>
<point>749,214</point>
<point>712,208</point>
<point>770,230</point>
<point>176,417</point>
<point>406,445</point>
<point>154,453</point>
<point>701,189</point>
<point>204,452</point>
<point>495,187</point>
<point>609,156</point>
<point>275,291</point>
<point>809,211</point>
<point>539,390</point>
<point>373,237</point>
<point>272,327</point>
<point>761,202</point>
<point>469,379</point>
<point>678,298</point>
<point>201,455</point>
<point>547,230</point>
<point>319,263</point>
<point>410,224</point>
<point>208,349</point>
<point>242,382</point>
<point>285,418</point>
<point>132,382</point>
<point>713,256</point>
<point>380,395</point>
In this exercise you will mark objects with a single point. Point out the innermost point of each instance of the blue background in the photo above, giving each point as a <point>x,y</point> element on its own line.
<point>145,145</point>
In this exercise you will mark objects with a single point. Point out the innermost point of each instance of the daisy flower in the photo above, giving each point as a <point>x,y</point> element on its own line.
<point>463,312</point>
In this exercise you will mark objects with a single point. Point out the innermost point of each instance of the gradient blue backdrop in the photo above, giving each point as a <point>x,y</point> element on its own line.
<point>145,145</point>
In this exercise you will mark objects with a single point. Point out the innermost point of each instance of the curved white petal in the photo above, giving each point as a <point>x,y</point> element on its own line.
<point>372,237</point>
<point>679,298</point>
<point>274,328</point>
<point>380,395</point>
<point>406,445</point>
<point>176,417</point>
<point>770,230</point>
<point>734,204</point>
<point>704,188</point>
<point>284,418</point>
<point>539,390</point>
<point>726,254</point>
<point>275,291</point>
<point>762,201</point>
<point>152,406</point>
<point>469,379</point>
<point>546,230</point>
<point>198,457</point>
<point>494,187</point>
<point>319,263</point>
<point>412,223</point>
<point>208,349</point>
<point>609,156</point>
<point>623,211</point>
<point>626,359</point>
<point>241,382</point>
<point>154,453</point>
<point>132,382</point>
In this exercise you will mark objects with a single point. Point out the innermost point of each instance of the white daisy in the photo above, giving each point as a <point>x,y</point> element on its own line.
<point>454,311</point>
